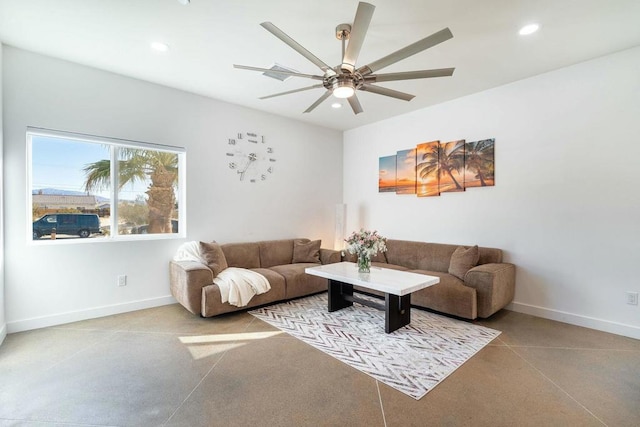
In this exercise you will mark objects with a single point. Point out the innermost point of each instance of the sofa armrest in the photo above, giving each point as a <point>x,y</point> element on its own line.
<point>494,284</point>
<point>187,278</point>
<point>329,256</point>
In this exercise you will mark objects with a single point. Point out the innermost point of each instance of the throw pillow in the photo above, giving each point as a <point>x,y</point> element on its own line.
<point>462,260</point>
<point>306,252</point>
<point>213,255</point>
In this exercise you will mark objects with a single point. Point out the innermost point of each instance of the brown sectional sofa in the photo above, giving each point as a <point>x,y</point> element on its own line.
<point>192,282</point>
<point>486,288</point>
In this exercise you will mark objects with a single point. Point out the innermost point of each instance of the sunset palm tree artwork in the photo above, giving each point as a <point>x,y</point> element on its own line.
<point>428,178</point>
<point>451,164</point>
<point>387,174</point>
<point>406,171</point>
<point>479,163</point>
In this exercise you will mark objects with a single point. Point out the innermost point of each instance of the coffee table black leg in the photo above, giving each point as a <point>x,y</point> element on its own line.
<point>397,312</point>
<point>337,290</point>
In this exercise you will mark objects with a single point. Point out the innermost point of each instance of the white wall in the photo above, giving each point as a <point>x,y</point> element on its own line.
<point>3,323</point>
<point>566,205</point>
<point>54,284</point>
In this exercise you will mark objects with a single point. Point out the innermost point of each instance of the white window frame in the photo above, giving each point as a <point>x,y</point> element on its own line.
<point>113,143</point>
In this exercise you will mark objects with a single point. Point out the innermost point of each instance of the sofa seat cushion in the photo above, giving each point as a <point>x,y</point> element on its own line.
<point>212,300</point>
<point>450,296</point>
<point>298,282</point>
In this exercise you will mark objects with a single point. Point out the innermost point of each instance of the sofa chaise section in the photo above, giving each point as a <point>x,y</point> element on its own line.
<point>279,261</point>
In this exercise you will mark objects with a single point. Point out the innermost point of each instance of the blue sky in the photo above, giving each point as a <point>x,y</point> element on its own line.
<point>58,163</point>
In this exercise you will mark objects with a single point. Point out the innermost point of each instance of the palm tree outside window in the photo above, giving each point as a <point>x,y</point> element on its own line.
<point>135,188</point>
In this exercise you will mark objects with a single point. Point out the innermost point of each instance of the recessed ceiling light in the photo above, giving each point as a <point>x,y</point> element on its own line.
<point>336,105</point>
<point>160,47</point>
<point>184,2</point>
<point>529,29</point>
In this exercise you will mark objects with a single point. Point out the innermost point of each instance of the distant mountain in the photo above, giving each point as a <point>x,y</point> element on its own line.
<point>56,192</point>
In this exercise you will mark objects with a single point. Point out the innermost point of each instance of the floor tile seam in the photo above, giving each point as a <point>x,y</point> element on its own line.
<point>165,333</point>
<point>195,388</point>
<point>61,423</point>
<point>82,350</point>
<point>384,418</point>
<point>498,342</point>
<point>203,378</point>
<point>556,385</point>
<point>621,350</point>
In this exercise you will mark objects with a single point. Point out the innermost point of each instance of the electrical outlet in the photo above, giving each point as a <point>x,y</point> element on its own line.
<point>122,280</point>
<point>632,298</point>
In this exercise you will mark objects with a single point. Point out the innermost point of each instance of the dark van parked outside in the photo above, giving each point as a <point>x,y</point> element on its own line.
<point>82,225</point>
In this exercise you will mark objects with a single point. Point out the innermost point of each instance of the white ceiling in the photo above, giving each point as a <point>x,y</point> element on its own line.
<point>207,37</point>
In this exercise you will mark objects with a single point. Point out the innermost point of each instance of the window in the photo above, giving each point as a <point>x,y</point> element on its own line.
<point>87,187</point>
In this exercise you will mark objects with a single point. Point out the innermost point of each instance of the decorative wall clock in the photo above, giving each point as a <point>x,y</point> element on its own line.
<point>250,157</point>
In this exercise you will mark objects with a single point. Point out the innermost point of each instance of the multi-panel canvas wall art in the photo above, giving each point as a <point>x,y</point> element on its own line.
<point>438,167</point>
<point>451,166</point>
<point>406,172</point>
<point>387,174</point>
<point>479,163</point>
<point>427,177</point>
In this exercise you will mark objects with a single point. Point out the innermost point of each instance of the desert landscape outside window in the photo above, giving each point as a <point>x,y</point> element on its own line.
<point>88,187</point>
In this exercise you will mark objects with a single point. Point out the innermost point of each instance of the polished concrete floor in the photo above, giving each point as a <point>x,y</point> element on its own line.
<point>164,366</point>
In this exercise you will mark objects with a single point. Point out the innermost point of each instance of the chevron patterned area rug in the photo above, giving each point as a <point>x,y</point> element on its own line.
<point>413,359</point>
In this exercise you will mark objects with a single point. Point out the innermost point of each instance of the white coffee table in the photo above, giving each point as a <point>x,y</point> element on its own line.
<point>396,285</point>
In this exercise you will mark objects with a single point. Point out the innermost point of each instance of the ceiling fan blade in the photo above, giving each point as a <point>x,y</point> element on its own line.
<point>269,70</point>
<point>291,91</point>
<point>409,75</point>
<point>355,104</point>
<point>356,37</point>
<point>318,102</point>
<point>295,46</point>
<point>387,92</point>
<point>412,49</point>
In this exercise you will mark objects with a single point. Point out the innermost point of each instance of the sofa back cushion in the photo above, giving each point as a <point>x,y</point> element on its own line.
<point>304,251</point>
<point>431,256</point>
<point>276,252</point>
<point>213,255</point>
<point>243,255</point>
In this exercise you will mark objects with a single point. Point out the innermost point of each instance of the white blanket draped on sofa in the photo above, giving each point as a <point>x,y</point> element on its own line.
<point>239,285</point>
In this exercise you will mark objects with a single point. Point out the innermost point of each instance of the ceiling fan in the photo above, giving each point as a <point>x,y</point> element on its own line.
<point>345,79</point>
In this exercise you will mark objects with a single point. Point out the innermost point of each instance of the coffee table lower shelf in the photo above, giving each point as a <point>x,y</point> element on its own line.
<point>397,308</point>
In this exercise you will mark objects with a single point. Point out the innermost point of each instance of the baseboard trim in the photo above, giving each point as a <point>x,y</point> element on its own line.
<point>577,319</point>
<point>91,313</point>
<point>3,333</point>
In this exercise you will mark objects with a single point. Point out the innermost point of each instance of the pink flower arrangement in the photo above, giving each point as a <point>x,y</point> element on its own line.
<point>366,243</point>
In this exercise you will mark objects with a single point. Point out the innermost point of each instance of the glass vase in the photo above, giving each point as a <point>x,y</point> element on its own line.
<point>364,263</point>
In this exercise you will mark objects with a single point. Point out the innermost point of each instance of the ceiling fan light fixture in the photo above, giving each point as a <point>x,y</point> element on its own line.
<point>343,89</point>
